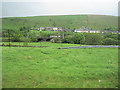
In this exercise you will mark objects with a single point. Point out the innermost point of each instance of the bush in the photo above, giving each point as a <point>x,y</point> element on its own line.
<point>52,40</point>
<point>110,35</point>
<point>93,39</point>
<point>79,38</point>
<point>4,39</point>
<point>16,36</point>
<point>76,38</point>
<point>110,41</point>
<point>3,44</point>
<point>68,39</point>
<point>56,40</point>
<point>34,39</point>
<point>25,40</point>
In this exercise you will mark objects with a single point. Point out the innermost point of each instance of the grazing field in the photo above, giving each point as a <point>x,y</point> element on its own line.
<point>48,67</point>
<point>97,22</point>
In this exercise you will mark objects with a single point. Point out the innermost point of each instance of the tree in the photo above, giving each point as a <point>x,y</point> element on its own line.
<point>16,36</point>
<point>79,38</point>
<point>56,40</point>
<point>68,39</point>
<point>110,41</point>
<point>32,36</point>
<point>25,29</point>
<point>73,29</point>
<point>93,39</point>
<point>54,24</point>
<point>110,35</point>
<point>25,40</point>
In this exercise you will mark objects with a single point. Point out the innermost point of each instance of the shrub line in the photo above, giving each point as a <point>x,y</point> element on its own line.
<point>22,46</point>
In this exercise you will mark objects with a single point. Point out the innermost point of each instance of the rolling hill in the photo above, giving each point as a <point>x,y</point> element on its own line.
<point>97,22</point>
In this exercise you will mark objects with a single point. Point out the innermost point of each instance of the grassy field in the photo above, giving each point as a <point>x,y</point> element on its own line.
<point>48,67</point>
<point>97,22</point>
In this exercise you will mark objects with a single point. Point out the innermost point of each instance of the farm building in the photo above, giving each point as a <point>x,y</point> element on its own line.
<point>54,28</point>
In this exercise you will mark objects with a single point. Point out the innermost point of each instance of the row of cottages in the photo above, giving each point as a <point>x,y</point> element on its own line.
<point>41,28</point>
<point>54,28</point>
<point>87,31</point>
<point>51,28</point>
<point>113,32</point>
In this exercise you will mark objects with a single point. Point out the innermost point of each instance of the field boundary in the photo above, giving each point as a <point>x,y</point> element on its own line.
<point>20,46</point>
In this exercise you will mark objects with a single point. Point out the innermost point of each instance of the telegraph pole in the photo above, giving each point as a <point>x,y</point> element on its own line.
<point>9,37</point>
<point>63,35</point>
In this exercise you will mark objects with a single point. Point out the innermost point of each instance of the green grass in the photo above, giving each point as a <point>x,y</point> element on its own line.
<point>48,67</point>
<point>98,22</point>
<point>49,44</point>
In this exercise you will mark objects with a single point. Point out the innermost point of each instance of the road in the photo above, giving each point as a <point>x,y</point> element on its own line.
<point>90,46</point>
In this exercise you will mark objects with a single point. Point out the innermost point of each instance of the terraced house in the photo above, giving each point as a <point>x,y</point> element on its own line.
<point>41,28</point>
<point>51,28</point>
<point>86,31</point>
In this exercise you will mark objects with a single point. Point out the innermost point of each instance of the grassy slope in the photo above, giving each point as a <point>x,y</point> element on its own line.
<point>67,21</point>
<point>51,67</point>
<point>102,21</point>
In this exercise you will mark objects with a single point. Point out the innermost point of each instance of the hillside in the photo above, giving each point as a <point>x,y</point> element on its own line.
<point>97,22</point>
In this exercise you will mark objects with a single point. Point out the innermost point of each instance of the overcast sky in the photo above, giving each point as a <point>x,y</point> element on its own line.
<point>17,8</point>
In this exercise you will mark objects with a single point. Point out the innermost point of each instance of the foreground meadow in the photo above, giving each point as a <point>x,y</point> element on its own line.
<point>49,67</point>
